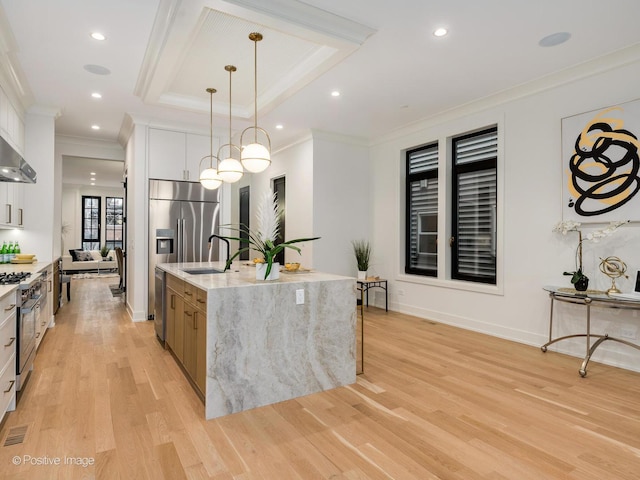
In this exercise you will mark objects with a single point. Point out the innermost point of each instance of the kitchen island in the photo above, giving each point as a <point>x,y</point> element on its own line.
<point>265,341</point>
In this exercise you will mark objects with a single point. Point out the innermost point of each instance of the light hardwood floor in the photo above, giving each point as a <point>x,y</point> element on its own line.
<point>435,402</point>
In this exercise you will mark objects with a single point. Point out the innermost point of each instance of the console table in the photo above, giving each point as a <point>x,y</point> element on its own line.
<point>588,299</point>
<point>365,285</point>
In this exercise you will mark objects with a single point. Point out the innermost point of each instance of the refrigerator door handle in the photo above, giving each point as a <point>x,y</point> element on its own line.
<point>179,239</point>
<point>184,243</point>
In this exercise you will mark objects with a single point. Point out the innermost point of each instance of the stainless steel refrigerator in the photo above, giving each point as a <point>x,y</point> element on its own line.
<point>182,217</point>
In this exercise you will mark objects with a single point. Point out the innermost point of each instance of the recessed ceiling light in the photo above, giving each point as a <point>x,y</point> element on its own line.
<point>554,39</point>
<point>92,183</point>
<point>98,36</point>
<point>96,95</point>
<point>97,69</point>
<point>440,32</point>
<point>92,173</point>
<point>279,127</point>
<point>95,127</point>
<point>335,93</point>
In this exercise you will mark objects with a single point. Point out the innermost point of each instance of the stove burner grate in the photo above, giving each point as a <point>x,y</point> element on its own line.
<point>13,278</point>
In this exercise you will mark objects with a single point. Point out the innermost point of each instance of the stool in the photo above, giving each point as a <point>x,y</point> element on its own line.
<point>66,279</point>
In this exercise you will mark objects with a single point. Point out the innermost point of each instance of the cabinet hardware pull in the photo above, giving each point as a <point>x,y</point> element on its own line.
<point>452,241</point>
<point>50,286</point>
<point>188,293</point>
<point>10,307</point>
<point>188,314</point>
<point>13,339</point>
<point>173,299</point>
<point>20,215</point>
<point>10,386</point>
<point>200,300</point>
<point>38,335</point>
<point>8,213</point>
<point>195,321</point>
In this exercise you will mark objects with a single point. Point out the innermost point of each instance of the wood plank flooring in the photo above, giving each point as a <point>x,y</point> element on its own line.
<point>435,402</point>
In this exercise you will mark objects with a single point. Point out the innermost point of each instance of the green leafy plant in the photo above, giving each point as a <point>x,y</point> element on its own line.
<point>263,239</point>
<point>362,251</point>
<point>104,251</point>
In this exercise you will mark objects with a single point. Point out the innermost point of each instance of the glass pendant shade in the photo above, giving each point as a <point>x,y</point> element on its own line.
<point>255,157</point>
<point>230,170</point>
<point>210,179</point>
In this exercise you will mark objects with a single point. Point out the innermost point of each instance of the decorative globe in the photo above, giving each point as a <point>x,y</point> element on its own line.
<point>613,268</point>
<point>255,157</point>
<point>230,170</point>
<point>210,179</point>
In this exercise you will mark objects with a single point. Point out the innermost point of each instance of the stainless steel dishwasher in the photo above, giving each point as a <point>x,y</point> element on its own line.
<point>160,312</point>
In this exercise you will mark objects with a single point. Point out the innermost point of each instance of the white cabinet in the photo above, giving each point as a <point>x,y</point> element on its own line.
<point>176,155</point>
<point>198,146</point>
<point>46,306</point>
<point>11,203</point>
<point>11,124</point>
<point>8,341</point>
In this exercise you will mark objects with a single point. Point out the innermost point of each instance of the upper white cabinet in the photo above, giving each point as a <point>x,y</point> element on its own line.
<point>176,155</point>
<point>11,124</point>
<point>198,147</point>
<point>11,205</point>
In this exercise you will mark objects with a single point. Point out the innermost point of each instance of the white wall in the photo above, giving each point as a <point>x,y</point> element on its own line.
<point>533,255</point>
<point>38,219</point>
<point>72,211</point>
<point>295,163</point>
<point>340,202</point>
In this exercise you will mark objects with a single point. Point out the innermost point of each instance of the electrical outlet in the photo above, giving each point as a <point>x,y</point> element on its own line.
<point>300,296</point>
<point>628,331</point>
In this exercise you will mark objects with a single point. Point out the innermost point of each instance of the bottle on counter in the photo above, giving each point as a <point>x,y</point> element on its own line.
<point>3,252</point>
<point>16,250</point>
<point>10,252</point>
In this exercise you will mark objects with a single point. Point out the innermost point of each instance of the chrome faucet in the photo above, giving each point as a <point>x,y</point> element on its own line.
<point>220,238</point>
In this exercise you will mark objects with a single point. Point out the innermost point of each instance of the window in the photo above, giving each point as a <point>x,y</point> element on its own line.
<point>474,182</point>
<point>422,211</point>
<point>467,200</point>
<point>113,216</point>
<point>90,223</point>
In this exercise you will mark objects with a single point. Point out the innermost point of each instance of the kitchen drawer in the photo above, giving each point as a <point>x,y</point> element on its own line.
<point>189,293</point>
<point>8,386</point>
<point>7,306</point>
<point>7,339</point>
<point>201,299</point>
<point>175,283</point>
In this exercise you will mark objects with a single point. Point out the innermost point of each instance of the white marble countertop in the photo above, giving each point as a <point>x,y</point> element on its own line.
<point>239,275</point>
<point>19,267</point>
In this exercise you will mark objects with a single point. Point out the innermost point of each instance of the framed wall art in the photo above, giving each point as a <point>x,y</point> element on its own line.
<point>600,165</point>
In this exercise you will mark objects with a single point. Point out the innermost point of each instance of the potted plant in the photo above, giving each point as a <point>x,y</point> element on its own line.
<point>104,251</point>
<point>263,239</point>
<point>362,251</point>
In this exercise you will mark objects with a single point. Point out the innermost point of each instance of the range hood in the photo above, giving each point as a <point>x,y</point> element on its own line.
<point>13,167</point>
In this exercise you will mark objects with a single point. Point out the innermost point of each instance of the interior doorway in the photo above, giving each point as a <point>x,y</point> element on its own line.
<point>279,186</point>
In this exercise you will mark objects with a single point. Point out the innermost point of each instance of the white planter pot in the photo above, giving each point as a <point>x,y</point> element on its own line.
<point>261,268</point>
<point>362,275</point>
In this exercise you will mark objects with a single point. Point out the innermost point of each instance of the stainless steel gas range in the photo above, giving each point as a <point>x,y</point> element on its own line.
<point>30,297</point>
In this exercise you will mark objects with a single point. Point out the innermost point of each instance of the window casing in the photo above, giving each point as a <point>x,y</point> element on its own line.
<point>453,202</point>
<point>113,224</point>
<point>474,189</point>
<point>90,223</point>
<point>422,211</point>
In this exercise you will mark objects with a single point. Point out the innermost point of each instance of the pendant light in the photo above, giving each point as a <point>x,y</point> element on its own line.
<point>230,169</point>
<point>209,177</point>
<point>255,156</point>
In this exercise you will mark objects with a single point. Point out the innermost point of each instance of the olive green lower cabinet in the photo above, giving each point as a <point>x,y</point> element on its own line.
<point>187,329</point>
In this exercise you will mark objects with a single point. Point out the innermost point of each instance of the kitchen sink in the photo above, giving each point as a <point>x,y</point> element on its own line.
<point>201,271</point>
